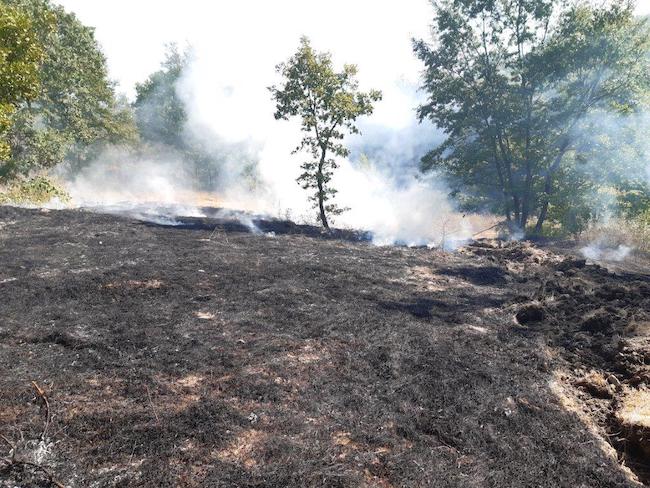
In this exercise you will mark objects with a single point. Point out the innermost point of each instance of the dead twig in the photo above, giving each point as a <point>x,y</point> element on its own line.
<point>153,408</point>
<point>485,230</point>
<point>216,228</point>
<point>11,445</point>
<point>13,462</point>
<point>46,404</point>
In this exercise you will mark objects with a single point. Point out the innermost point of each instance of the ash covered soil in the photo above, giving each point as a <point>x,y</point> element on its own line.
<point>186,357</point>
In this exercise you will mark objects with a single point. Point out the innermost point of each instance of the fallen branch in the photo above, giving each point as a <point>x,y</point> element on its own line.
<point>485,230</point>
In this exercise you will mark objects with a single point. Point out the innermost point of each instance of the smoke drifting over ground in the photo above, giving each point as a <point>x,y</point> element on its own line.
<point>615,152</point>
<point>378,183</point>
<point>597,252</point>
<point>230,113</point>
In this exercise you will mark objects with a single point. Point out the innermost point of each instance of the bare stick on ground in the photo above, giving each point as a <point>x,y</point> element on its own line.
<point>46,404</point>
<point>12,461</point>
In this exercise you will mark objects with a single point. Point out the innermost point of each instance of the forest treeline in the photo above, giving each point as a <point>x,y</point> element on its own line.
<point>544,105</point>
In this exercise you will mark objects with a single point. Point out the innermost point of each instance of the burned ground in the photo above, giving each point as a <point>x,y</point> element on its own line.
<point>186,357</point>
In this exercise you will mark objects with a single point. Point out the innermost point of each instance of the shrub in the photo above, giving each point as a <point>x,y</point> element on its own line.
<point>37,190</point>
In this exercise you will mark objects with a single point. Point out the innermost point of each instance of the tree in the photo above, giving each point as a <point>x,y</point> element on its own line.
<point>76,111</point>
<point>328,103</point>
<point>20,58</point>
<point>160,113</point>
<point>161,117</point>
<point>512,81</point>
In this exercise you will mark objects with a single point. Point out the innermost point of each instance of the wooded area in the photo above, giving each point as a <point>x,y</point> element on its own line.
<point>543,105</point>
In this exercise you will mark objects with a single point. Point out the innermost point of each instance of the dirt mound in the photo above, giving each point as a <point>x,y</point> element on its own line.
<point>598,321</point>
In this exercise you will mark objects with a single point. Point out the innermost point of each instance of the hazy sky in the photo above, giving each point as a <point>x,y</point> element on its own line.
<point>643,7</point>
<point>375,34</point>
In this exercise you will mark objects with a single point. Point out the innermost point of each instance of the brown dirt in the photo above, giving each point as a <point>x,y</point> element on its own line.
<point>173,359</point>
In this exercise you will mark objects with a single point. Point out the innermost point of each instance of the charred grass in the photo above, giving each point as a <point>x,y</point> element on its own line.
<point>187,357</point>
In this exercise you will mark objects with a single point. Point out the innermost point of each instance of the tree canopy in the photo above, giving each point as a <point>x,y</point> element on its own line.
<point>75,110</point>
<point>20,57</point>
<point>160,113</point>
<point>513,83</point>
<point>328,104</point>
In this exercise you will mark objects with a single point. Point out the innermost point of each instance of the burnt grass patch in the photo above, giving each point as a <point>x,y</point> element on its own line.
<point>188,357</point>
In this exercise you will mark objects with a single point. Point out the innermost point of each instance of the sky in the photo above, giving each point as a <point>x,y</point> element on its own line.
<point>376,34</point>
<point>643,7</point>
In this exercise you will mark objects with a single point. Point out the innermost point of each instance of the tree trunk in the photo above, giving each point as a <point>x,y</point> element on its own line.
<point>504,191</point>
<point>526,203</point>
<point>528,183</point>
<point>516,202</point>
<point>321,191</point>
<point>517,207</point>
<point>548,187</point>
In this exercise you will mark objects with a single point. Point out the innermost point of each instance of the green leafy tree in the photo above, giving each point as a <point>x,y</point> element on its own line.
<point>161,117</point>
<point>512,81</point>
<point>328,104</point>
<point>76,112</point>
<point>160,113</point>
<point>20,59</point>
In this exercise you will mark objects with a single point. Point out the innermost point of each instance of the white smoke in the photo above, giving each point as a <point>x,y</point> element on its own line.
<point>598,252</point>
<point>379,185</point>
<point>236,46</point>
<point>616,153</point>
<point>153,188</point>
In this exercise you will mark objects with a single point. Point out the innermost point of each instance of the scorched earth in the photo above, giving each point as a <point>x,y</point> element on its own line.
<point>187,357</point>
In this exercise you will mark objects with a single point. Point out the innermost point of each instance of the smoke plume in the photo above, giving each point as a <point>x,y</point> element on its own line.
<point>230,114</point>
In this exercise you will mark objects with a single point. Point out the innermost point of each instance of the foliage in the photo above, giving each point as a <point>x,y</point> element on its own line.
<point>328,104</point>
<point>20,57</point>
<point>161,119</point>
<point>512,82</point>
<point>160,113</point>
<point>640,229</point>
<point>76,111</point>
<point>37,190</point>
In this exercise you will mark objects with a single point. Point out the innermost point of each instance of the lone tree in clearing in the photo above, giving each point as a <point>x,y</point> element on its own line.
<point>328,104</point>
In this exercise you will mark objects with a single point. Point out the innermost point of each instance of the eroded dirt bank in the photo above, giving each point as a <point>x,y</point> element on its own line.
<point>170,358</point>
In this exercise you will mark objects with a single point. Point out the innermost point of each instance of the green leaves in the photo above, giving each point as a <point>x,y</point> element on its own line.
<point>36,190</point>
<point>73,111</point>
<point>328,104</point>
<point>510,81</point>
<point>20,58</point>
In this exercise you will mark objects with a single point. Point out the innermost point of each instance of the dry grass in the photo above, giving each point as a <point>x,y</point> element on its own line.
<point>620,232</point>
<point>634,409</point>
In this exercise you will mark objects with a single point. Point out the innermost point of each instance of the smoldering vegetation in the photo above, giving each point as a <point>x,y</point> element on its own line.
<point>208,138</point>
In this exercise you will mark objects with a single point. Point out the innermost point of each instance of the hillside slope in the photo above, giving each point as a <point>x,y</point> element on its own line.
<point>182,357</point>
